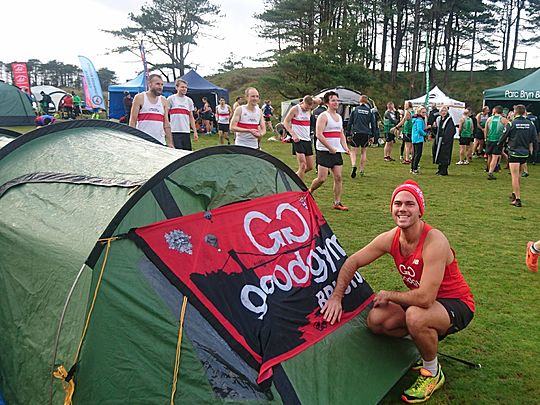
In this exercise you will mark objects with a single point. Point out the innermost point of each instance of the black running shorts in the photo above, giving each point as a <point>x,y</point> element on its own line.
<point>360,140</point>
<point>516,159</point>
<point>329,160</point>
<point>460,315</point>
<point>493,149</point>
<point>303,147</point>
<point>182,140</point>
<point>223,127</point>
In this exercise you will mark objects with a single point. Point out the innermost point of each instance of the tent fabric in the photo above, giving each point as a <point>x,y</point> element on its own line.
<point>524,90</point>
<point>345,95</point>
<point>15,106</point>
<point>438,98</point>
<point>56,94</point>
<point>6,136</point>
<point>198,87</point>
<point>128,354</point>
<point>9,132</point>
<point>348,99</point>
<point>4,140</point>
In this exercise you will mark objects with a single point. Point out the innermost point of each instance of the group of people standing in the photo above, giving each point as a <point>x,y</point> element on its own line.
<point>170,120</point>
<point>316,124</point>
<point>491,135</point>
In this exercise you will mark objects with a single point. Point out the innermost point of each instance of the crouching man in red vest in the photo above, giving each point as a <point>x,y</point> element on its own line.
<point>439,301</point>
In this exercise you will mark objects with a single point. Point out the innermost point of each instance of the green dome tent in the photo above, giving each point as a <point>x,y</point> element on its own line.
<point>6,136</point>
<point>66,191</point>
<point>15,107</point>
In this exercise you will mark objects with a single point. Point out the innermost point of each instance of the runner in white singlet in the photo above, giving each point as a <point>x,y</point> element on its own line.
<point>181,110</point>
<point>150,112</point>
<point>330,142</point>
<point>223,113</point>
<point>248,121</point>
<point>297,123</point>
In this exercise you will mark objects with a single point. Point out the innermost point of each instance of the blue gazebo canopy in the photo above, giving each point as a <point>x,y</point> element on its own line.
<point>198,87</point>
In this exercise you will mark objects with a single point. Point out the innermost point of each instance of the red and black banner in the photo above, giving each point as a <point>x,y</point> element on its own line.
<point>20,77</point>
<point>259,271</point>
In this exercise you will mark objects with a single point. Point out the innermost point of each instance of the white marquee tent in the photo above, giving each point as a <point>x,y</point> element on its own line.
<point>348,99</point>
<point>438,98</point>
<point>56,94</point>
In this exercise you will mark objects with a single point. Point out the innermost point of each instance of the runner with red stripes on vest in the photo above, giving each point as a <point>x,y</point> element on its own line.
<point>330,143</point>
<point>439,301</point>
<point>297,123</point>
<point>223,114</point>
<point>150,112</point>
<point>181,112</point>
<point>248,121</point>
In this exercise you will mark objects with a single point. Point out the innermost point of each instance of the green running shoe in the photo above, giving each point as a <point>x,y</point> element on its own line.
<point>424,387</point>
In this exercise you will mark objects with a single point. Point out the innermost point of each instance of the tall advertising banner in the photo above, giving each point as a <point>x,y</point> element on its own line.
<point>87,99</point>
<point>20,77</point>
<point>93,91</point>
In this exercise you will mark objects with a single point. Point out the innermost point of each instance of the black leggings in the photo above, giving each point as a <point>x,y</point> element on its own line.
<point>417,154</point>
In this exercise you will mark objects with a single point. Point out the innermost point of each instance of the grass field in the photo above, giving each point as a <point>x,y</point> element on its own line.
<point>489,236</point>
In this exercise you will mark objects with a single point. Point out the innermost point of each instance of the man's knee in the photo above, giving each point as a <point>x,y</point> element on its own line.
<point>375,322</point>
<point>383,321</point>
<point>321,177</point>
<point>415,318</point>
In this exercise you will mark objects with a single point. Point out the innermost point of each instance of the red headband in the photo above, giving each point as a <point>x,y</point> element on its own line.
<point>413,188</point>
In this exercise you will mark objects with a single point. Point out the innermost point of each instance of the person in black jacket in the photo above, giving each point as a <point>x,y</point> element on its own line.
<point>534,119</point>
<point>128,102</point>
<point>361,128</point>
<point>520,137</point>
<point>443,132</point>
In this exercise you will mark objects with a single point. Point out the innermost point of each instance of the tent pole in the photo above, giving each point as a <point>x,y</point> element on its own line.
<point>59,330</point>
<point>468,363</point>
<point>426,71</point>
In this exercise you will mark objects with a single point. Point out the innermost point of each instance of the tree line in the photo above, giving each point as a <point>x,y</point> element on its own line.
<point>314,41</point>
<point>59,74</point>
<point>391,35</point>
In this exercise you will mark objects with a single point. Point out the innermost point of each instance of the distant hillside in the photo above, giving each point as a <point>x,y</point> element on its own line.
<point>410,85</point>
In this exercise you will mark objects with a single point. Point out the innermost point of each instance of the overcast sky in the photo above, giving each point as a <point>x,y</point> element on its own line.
<point>64,29</point>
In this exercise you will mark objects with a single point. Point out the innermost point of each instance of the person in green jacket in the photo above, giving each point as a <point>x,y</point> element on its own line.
<point>495,127</point>
<point>406,127</point>
<point>465,138</point>
<point>76,104</point>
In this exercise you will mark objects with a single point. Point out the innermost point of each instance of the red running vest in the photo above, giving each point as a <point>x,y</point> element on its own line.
<point>410,268</point>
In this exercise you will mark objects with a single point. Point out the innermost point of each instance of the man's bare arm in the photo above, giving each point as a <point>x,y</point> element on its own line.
<point>234,121</point>
<point>166,123</point>
<point>262,128</point>
<point>406,116</point>
<point>193,126</point>
<point>287,124</point>
<point>135,108</point>
<point>332,310</point>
